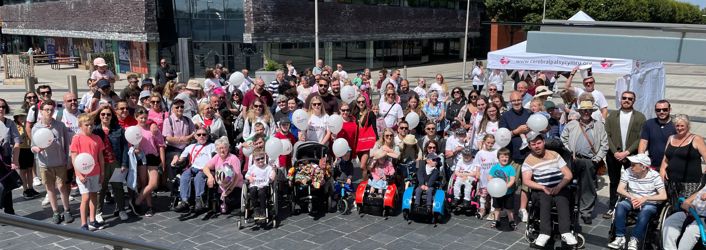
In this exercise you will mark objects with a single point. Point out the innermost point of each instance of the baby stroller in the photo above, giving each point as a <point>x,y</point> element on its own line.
<point>532,230</point>
<point>310,182</point>
<point>247,208</point>
<point>439,210</point>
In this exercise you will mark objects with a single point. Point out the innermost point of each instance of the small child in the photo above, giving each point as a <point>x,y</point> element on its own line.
<point>380,170</point>
<point>505,171</point>
<point>88,185</point>
<point>536,107</point>
<point>466,173</point>
<point>486,157</point>
<point>260,176</point>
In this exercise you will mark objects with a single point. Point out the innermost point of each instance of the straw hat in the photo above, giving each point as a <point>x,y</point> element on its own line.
<point>586,105</point>
<point>409,140</point>
<point>193,85</point>
<point>542,91</point>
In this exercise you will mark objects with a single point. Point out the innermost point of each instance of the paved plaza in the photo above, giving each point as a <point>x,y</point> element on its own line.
<point>685,89</point>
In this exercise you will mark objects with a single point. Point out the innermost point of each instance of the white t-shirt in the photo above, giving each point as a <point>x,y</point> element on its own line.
<point>498,79</point>
<point>421,92</point>
<point>303,93</point>
<point>477,75</point>
<point>490,128</point>
<point>439,90</point>
<point>624,123</point>
<point>464,166</point>
<point>203,154</point>
<point>70,120</point>
<point>485,160</point>
<point>86,100</point>
<point>451,143</point>
<point>395,113</point>
<point>317,128</point>
<point>342,74</point>
<point>597,96</point>
<point>261,175</point>
<point>209,85</point>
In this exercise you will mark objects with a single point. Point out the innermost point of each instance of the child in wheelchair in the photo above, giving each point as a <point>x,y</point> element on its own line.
<point>258,179</point>
<point>465,174</point>
<point>381,170</point>
<point>504,170</point>
<point>644,191</point>
<point>427,178</point>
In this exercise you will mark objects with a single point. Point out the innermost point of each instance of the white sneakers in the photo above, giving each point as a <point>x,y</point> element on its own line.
<point>36,182</point>
<point>618,243</point>
<point>99,218</point>
<point>524,215</point>
<point>542,239</point>
<point>632,245</point>
<point>123,215</point>
<point>45,201</point>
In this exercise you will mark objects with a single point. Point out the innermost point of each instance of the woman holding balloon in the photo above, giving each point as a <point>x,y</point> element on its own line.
<point>317,128</point>
<point>115,156</point>
<point>414,106</point>
<point>153,147</point>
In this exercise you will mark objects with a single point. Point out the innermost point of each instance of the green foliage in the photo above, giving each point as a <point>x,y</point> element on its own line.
<point>657,11</point>
<point>272,65</point>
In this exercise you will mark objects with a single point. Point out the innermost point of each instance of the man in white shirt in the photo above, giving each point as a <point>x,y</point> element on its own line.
<point>589,86</point>
<point>197,155</point>
<point>69,114</point>
<point>342,74</point>
<point>454,145</point>
<point>247,83</point>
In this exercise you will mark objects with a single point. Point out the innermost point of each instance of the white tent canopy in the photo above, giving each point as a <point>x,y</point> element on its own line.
<point>517,57</point>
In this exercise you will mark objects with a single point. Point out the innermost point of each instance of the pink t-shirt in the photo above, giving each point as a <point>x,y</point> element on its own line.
<point>157,117</point>
<point>97,75</point>
<point>92,145</point>
<point>233,162</point>
<point>151,142</point>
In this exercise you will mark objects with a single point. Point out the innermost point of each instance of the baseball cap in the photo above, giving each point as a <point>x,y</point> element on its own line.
<point>103,83</point>
<point>144,94</point>
<point>640,158</point>
<point>532,135</point>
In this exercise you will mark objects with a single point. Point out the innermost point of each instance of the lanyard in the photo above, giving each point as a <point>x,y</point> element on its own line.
<point>193,156</point>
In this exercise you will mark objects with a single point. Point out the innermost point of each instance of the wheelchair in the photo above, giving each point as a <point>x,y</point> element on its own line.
<point>373,204</point>
<point>210,197</point>
<point>439,212</point>
<point>471,207</point>
<point>247,208</point>
<point>532,229</point>
<point>653,232</point>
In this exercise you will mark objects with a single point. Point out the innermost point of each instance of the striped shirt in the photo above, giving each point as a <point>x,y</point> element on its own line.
<point>273,88</point>
<point>546,172</point>
<point>646,186</point>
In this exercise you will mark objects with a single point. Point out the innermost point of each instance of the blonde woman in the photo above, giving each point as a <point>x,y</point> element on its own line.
<point>170,92</point>
<point>209,119</point>
<point>386,144</point>
<point>258,112</point>
<point>441,88</point>
<point>318,120</point>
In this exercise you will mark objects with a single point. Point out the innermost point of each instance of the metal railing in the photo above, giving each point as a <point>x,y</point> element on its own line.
<point>117,242</point>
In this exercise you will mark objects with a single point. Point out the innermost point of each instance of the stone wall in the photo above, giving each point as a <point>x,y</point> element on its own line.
<point>83,18</point>
<point>293,20</point>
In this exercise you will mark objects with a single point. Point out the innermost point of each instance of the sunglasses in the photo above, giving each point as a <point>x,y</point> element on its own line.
<point>361,101</point>
<point>457,92</point>
<point>316,104</point>
<point>431,147</point>
<point>474,97</point>
<point>122,108</point>
<point>31,97</point>
<point>388,135</point>
<point>179,107</point>
<point>492,90</point>
<point>257,106</point>
<point>430,128</point>
<point>404,128</point>
<point>154,101</point>
<point>45,93</point>
<point>260,159</point>
<point>628,98</point>
<point>345,110</point>
<point>106,114</point>
<point>72,100</point>
<point>389,94</point>
<point>662,110</point>
<point>323,86</point>
<point>200,134</point>
<point>591,82</point>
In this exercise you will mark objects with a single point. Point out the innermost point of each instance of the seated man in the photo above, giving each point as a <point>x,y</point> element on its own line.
<point>198,155</point>
<point>673,225</point>
<point>426,178</point>
<point>644,190</point>
<point>546,173</point>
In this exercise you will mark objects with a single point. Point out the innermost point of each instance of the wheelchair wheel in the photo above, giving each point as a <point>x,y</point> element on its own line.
<point>580,241</point>
<point>342,206</point>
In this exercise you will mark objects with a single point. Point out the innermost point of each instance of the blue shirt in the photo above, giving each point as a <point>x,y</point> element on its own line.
<point>503,172</point>
<point>656,135</point>
<point>511,120</point>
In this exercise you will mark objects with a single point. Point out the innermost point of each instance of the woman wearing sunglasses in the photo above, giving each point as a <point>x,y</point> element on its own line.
<point>317,130</point>
<point>116,159</point>
<point>258,112</point>
<point>157,114</point>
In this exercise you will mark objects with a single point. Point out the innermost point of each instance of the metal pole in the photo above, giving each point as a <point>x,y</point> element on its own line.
<point>405,73</point>
<point>316,29</point>
<point>73,87</point>
<point>544,10</point>
<point>465,42</point>
<point>29,84</point>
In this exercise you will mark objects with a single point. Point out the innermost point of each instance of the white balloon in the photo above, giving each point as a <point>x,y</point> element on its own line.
<point>340,147</point>
<point>133,135</point>
<point>503,137</point>
<point>412,119</point>
<point>273,147</point>
<point>348,94</point>
<point>84,163</point>
<point>247,150</point>
<point>300,118</point>
<point>537,122</point>
<point>286,147</point>
<point>236,78</point>
<point>43,137</point>
<point>335,123</point>
<point>497,187</point>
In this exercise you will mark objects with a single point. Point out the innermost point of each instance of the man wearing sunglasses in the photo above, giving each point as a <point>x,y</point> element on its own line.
<point>655,133</point>
<point>33,115</point>
<point>623,129</point>
<point>589,85</point>
<point>329,101</point>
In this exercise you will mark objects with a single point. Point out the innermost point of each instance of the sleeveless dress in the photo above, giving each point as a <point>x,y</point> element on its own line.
<point>684,169</point>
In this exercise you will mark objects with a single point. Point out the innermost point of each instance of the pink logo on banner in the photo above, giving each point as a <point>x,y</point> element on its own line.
<point>504,60</point>
<point>606,63</point>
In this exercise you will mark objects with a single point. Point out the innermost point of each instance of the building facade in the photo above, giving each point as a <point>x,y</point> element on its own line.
<point>240,33</point>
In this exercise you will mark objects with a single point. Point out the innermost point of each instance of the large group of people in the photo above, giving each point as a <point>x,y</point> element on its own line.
<point>217,124</point>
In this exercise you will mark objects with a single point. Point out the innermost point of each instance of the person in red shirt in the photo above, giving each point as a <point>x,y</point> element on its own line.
<point>122,112</point>
<point>258,92</point>
<point>285,161</point>
<point>88,184</point>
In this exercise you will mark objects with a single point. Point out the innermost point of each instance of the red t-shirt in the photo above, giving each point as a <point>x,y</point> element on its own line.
<point>92,145</point>
<point>348,132</point>
<point>250,97</point>
<point>108,155</point>
<point>127,122</point>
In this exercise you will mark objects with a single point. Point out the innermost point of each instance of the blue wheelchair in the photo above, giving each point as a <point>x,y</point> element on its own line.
<point>437,213</point>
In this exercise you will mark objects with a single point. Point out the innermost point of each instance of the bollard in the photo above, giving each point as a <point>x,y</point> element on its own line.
<point>71,81</point>
<point>29,84</point>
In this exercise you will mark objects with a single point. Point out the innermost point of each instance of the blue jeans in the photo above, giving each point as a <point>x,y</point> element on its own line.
<point>621,213</point>
<point>185,186</point>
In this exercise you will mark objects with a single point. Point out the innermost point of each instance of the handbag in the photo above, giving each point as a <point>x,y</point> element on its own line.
<point>365,137</point>
<point>601,169</point>
<point>380,122</point>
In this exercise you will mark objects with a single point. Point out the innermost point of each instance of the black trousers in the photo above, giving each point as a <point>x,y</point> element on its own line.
<point>259,195</point>
<point>6,199</point>
<point>614,169</point>
<point>545,202</point>
<point>586,171</point>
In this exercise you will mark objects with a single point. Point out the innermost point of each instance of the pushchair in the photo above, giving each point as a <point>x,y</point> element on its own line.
<point>310,183</point>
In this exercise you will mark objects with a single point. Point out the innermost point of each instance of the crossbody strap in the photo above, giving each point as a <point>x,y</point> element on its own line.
<point>583,131</point>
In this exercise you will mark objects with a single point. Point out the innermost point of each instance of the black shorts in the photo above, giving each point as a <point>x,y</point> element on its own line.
<point>26,158</point>
<point>505,202</point>
<point>153,160</point>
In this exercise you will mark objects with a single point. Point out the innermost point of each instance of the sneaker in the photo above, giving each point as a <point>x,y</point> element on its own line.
<point>632,244</point>
<point>224,208</point>
<point>618,243</point>
<point>84,227</point>
<point>491,217</point>
<point>609,214</point>
<point>74,192</point>
<point>99,218</point>
<point>149,212</point>
<point>541,240</point>
<point>494,224</point>
<point>587,220</point>
<point>45,201</point>
<point>569,239</point>
<point>513,225</point>
<point>26,195</point>
<point>36,182</point>
<point>123,215</point>
<point>183,206</point>
<point>524,215</point>
<point>68,218</point>
<point>33,193</point>
<point>199,206</point>
<point>56,218</point>
<point>93,226</point>
<point>72,198</point>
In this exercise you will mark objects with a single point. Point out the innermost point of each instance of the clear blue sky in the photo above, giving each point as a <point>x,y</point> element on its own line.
<point>700,3</point>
